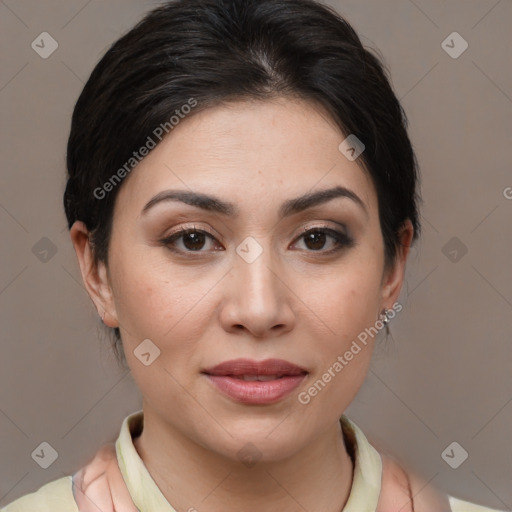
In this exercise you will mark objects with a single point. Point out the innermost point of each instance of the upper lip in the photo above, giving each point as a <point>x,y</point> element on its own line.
<point>251,367</point>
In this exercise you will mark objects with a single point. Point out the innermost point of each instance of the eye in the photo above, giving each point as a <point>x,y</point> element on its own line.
<point>315,239</point>
<point>193,240</point>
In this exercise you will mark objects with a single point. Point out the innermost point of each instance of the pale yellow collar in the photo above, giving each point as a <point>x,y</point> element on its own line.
<point>366,483</point>
<point>147,497</point>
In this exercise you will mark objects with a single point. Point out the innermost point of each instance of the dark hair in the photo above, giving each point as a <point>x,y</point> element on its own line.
<point>202,53</point>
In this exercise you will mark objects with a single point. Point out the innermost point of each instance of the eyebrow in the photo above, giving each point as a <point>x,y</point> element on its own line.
<point>288,207</point>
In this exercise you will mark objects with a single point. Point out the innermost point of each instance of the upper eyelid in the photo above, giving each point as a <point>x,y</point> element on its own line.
<point>185,229</point>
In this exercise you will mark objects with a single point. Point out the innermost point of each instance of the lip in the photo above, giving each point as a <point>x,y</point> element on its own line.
<point>224,377</point>
<point>239,367</point>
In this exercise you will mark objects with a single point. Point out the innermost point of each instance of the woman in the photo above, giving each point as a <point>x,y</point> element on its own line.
<point>242,197</point>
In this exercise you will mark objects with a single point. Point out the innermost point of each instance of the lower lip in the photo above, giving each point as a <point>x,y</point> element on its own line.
<point>256,392</point>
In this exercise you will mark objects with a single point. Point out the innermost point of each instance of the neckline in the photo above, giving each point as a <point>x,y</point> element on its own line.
<point>366,462</point>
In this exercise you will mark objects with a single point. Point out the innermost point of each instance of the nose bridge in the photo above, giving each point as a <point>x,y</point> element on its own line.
<point>258,299</point>
<point>255,266</point>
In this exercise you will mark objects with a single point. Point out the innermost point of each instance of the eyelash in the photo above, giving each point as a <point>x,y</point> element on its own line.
<point>342,239</point>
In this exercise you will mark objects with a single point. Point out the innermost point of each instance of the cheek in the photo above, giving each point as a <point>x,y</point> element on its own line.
<point>350,316</point>
<point>348,309</point>
<point>154,308</point>
<point>343,352</point>
<point>348,302</point>
<point>157,302</point>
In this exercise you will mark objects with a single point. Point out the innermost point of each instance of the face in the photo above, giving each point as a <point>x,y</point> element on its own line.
<point>256,276</point>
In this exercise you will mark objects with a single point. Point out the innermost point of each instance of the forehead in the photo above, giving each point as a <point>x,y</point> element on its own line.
<point>249,152</point>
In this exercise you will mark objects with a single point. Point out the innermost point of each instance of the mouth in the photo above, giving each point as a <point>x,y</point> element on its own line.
<point>256,382</point>
<point>261,378</point>
<point>247,367</point>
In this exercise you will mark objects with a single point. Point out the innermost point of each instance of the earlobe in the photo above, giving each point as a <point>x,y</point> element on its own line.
<point>94,275</point>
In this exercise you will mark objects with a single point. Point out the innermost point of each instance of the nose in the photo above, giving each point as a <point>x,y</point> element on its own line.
<point>258,299</point>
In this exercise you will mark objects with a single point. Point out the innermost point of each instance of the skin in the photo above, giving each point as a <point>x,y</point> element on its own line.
<point>295,302</point>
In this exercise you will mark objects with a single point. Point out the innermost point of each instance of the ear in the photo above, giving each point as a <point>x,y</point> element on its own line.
<point>94,276</point>
<point>394,276</point>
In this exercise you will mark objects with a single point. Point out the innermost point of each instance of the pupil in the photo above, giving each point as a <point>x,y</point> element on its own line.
<point>315,238</point>
<point>196,239</point>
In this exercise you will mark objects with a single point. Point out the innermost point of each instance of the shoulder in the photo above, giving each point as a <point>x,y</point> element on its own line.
<point>55,496</point>
<point>459,505</point>
<point>403,490</point>
<point>408,492</point>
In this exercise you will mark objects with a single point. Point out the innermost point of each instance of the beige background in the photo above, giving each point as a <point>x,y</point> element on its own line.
<point>446,373</point>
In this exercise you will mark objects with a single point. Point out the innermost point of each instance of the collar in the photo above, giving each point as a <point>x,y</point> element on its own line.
<point>146,495</point>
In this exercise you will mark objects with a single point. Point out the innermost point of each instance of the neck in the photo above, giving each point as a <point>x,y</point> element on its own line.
<point>317,478</point>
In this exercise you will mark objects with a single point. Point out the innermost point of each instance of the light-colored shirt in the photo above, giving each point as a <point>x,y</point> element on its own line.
<point>57,496</point>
